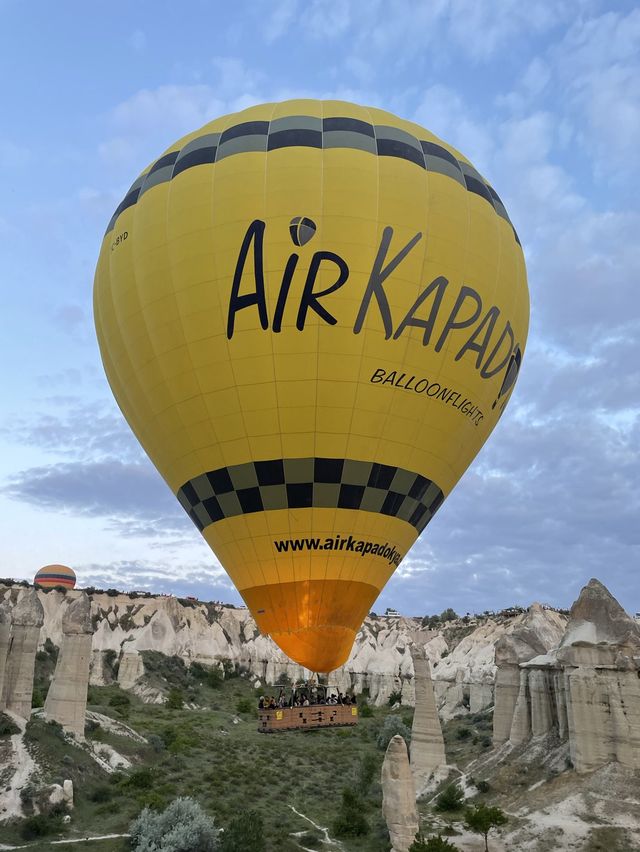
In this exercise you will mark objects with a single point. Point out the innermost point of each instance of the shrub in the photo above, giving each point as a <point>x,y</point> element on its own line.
<point>365,711</point>
<point>7,726</point>
<point>120,700</point>
<point>392,726</point>
<point>50,649</point>
<point>43,824</point>
<point>229,669</point>
<point>141,779</point>
<point>350,820</point>
<point>175,699</point>
<point>244,705</point>
<point>111,662</point>
<point>432,844</point>
<point>483,786</point>
<point>448,615</point>
<point>395,698</point>
<point>182,827</point>
<point>244,834</point>
<point>38,697</point>
<point>56,729</point>
<point>156,742</point>
<point>101,793</point>
<point>212,677</point>
<point>450,799</point>
<point>463,734</point>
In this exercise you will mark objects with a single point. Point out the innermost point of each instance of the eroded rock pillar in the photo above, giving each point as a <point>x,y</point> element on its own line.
<point>399,796</point>
<point>521,725</point>
<point>5,637</point>
<point>540,697</point>
<point>507,688</point>
<point>67,697</point>
<point>427,742</point>
<point>27,618</point>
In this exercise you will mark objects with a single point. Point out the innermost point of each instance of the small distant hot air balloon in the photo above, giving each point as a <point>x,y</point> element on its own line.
<point>312,315</point>
<point>55,575</point>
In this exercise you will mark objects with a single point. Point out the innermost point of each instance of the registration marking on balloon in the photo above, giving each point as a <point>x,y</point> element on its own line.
<point>314,322</point>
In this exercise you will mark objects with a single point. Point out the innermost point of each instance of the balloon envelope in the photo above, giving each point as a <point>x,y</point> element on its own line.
<point>312,315</point>
<point>55,575</point>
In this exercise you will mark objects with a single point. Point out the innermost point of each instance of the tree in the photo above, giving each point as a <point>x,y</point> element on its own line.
<point>392,726</point>
<point>244,834</point>
<point>182,827</point>
<point>450,799</point>
<point>432,844</point>
<point>448,615</point>
<point>350,819</point>
<point>481,819</point>
<point>175,699</point>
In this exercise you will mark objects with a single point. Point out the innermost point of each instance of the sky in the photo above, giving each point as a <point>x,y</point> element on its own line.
<point>543,98</point>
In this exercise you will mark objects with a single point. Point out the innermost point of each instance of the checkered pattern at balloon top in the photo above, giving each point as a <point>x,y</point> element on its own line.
<point>310,482</point>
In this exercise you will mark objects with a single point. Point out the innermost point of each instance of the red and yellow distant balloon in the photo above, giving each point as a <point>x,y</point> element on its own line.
<point>55,575</point>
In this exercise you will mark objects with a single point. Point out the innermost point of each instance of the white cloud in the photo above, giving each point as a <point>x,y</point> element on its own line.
<point>443,111</point>
<point>598,63</point>
<point>152,119</point>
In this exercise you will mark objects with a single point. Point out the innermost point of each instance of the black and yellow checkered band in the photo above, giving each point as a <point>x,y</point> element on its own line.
<point>313,132</point>
<point>321,483</point>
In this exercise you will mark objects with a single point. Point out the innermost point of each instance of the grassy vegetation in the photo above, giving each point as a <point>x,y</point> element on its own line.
<point>216,755</point>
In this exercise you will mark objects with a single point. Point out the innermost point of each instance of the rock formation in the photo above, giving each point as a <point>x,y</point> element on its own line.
<point>66,701</point>
<point>464,680</point>
<point>600,658</point>
<point>5,635</point>
<point>128,625</point>
<point>399,796</point>
<point>130,669</point>
<point>427,742</point>
<point>586,690</point>
<point>26,620</point>
<point>539,631</point>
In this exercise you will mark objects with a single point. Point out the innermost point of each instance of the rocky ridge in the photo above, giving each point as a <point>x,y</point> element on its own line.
<point>461,655</point>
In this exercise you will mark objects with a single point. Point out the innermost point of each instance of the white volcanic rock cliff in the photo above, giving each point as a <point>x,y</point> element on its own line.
<point>586,689</point>
<point>463,672</point>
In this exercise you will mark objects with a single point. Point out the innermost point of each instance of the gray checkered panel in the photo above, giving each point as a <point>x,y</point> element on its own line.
<point>313,132</point>
<point>310,482</point>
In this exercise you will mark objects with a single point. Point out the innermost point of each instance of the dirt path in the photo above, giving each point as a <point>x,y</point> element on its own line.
<point>65,842</point>
<point>23,765</point>
<point>327,841</point>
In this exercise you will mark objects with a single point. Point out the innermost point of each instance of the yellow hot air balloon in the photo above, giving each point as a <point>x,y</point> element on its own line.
<point>311,314</point>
